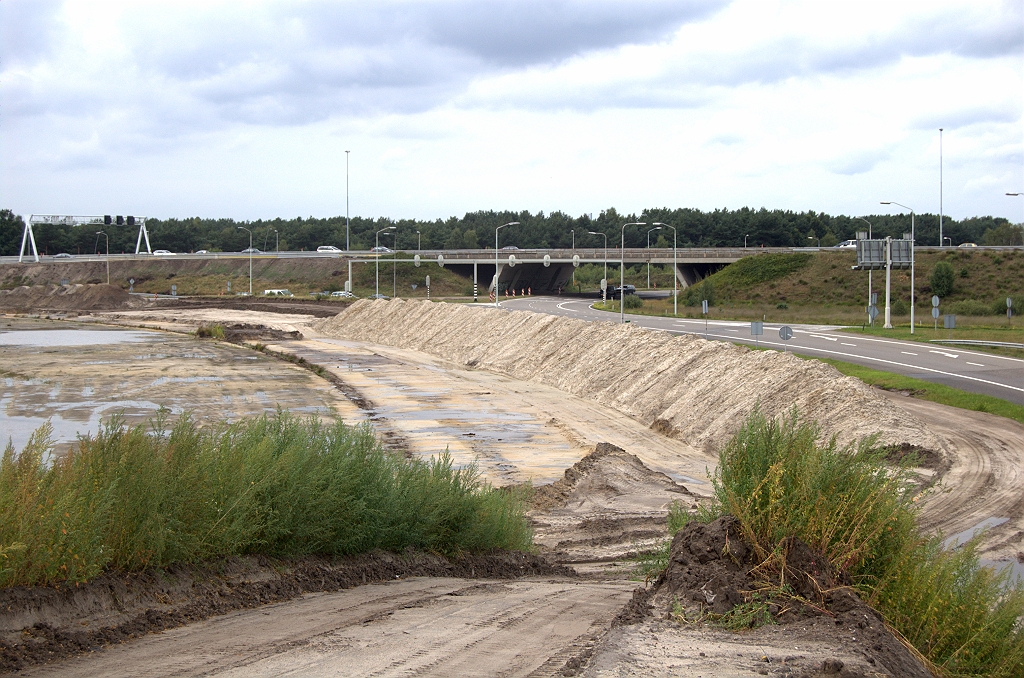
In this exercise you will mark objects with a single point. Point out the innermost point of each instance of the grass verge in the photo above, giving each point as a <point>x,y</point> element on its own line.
<point>132,498</point>
<point>926,390</point>
<point>853,506</point>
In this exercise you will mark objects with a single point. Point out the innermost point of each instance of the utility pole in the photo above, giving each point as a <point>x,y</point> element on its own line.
<point>346,201</point>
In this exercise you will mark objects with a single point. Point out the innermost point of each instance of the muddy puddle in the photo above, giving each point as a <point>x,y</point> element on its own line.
<point>78,376</point>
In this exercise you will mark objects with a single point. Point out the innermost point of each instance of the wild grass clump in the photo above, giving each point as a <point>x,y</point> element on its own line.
<point>210,332</point>
<point>278,485</point>
<point>858,509</point>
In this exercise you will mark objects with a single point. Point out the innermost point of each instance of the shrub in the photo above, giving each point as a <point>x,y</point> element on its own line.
<point>853,506</point>
<point>941,279</point>
<point>899,307</point>
<point>130,498</point>
<point>632,301</point>
<point>705,290</point>
<point>210,331</point>
<point>971,307</point>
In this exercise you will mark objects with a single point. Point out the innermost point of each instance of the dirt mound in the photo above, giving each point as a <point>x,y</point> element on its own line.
<point>64,298</point>
<point>712,569</point>
<point>39,625</point>
<point>607,506</point>
<point>699,391</point>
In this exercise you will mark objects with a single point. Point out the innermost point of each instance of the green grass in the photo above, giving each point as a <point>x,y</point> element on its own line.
<point>927,390</point>
<point>132,498</point>
<point>852,505</point>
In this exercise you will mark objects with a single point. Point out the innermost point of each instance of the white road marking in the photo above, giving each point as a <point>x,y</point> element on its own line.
<point>975,364</point>
<point>948,355</point>
<point>845,344</point>
<point>821,336</point>
<point>907,353</point>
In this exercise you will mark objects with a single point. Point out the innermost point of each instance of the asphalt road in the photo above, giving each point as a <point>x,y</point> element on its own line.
<point>985,373</point>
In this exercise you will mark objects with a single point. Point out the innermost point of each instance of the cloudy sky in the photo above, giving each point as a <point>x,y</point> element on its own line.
<point>246,109</point>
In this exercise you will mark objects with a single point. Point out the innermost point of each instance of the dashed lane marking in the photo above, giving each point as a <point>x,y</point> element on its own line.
<point>907,353</point>
<point>845,344</point>
<point>975,364</point>
<point>948,355</point>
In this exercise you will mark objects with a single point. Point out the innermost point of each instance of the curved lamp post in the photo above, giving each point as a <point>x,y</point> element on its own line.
<point>658,228</point>
<point>893,202</point>
<point>98,234</point>
<point>622,269</point>
<point>675,279</point>
<point>250,257</point>
<point>870,320</point>
<point>604,292</point>
<point>376,260</point>
<point>511,223</point>
<point>1016,195</point>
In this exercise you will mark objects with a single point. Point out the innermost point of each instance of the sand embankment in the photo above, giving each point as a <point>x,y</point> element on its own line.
<point>699,391</point>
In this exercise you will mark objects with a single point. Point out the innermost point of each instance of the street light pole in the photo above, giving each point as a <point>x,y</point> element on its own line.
<point>250,257</point>
<point>394,268</point>
<point>649,256</point>
<point>511,223</point>
<point>870,319</point>
<point>376,259</point>
<point>745,236</point>
<point>98,234</point>
<point>277,242</point>
<point>675,280</point>
<point>622,270</point>
<point>604,292</point>
<point>892,202</point>
<point>940,187</point>
<point>346,200</point>
<point>1021,223</point>
<point>418,241</point>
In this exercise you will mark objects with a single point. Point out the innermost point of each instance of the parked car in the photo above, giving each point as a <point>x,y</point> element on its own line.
<point>379,296</point>
<point>967,244</point>
<point>343,294</point>
<point>509,247</point>
<point>251,250</point>
<point>62,255</point>
<point>327,248</point>
<point>201,252</point>
<point>277,293</point>
<point>162,253</point>
<point>847,245</point>
<point>381,249</point>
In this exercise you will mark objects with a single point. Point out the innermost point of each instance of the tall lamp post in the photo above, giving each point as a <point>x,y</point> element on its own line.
<point>745,236</point>
<point>1021,223</point>
<point>98,234</point>
<point>893,202</point>
<point>376,260</point>
<point>869,274</point>
<point>511,223</point>
<point>604,292</point>
<point>277,242</point>
<point>622,270</point>
<point>940,187</point>
<point>418,241</point>
<point>394,268</point>
<point>675,280</point>
<point>346,200</point>
<point>649,256</point>
<point>250,257</point>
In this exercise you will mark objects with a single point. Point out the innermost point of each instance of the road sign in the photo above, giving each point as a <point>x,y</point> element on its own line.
<point>935,312</point>
<point>1009,302</point>
<point>704,307</point>
<point>576,261</point>
<point>416,260</point>
<point>547,260</point>
<point>440,260</point>
<point>935,301</point>
<point>785,333</point>
<point>872,312</point>
<point>174,290</point>
<point>757,328</point>
<point>874,298</point>
<point>511,260</point>
<point>604,284</point>
<point>949,322</point>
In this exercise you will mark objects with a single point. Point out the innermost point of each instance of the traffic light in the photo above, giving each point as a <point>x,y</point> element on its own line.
<point>106,220</point>
<point>120,220</point>
<point>131,221</point>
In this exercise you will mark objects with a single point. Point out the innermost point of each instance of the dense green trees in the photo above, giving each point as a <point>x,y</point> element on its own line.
<point>942,278</point>
<point>718,228</point>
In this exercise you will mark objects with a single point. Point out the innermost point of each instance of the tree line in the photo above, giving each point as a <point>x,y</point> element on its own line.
<point>695,228</point>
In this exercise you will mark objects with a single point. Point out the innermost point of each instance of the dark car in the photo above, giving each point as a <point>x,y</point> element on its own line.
<point>627,289</point>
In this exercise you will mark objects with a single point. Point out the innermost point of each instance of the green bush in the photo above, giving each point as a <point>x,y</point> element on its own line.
<point>632,301</point>
<point>971,307</point>
<point>130,498</point>
<point>762,268</point>
<point>705,290</point>
<point>854,506</point>
<point>942,279</point>
<point>899,307</point>
<point>999,305</point>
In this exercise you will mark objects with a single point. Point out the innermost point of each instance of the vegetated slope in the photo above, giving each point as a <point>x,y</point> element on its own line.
<point>699,391</point>
<point>985,277</point>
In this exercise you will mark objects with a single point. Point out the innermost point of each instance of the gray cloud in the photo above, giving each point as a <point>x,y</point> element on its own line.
<point>859,162</point>
<point>967,116</point>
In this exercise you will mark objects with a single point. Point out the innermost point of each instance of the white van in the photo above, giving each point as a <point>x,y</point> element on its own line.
<point>328,248</point>
<point>277,293</point>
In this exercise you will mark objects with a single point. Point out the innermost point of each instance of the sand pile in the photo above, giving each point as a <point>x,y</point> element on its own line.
<point>64,298</point>
<point>699,391</point>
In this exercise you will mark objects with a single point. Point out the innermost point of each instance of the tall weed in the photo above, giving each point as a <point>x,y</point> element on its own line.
<point>131,498</point>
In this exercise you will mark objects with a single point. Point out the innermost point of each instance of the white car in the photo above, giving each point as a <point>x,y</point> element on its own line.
<point>343,295</point>
<point>327,248</point>
<point>847,245</point>
<point>162,253</point>
<point>380,249</point>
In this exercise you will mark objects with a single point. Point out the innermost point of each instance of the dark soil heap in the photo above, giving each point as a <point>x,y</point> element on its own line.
<point>712,569</point>
<point>64,298</point>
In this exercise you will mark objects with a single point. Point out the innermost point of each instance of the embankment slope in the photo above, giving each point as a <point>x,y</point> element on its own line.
<point>699,391</point>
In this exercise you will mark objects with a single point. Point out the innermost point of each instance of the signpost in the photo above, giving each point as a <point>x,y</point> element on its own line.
<point>935,310</point>
<point>1009,310</point>
<point>785,333</point>
<point>756,329</point>
<point>428,287</point>
<point>704,310</point>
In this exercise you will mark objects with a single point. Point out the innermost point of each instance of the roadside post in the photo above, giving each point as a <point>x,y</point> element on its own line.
<point>1009,310</point>
<point>428,288</point>
<point>785,333</point>
<point>131,285</point>
<point>604,290</point>
<point>756,329</point>
<point>704,310</point>
<point>174,290</point>
<point>935,310</point>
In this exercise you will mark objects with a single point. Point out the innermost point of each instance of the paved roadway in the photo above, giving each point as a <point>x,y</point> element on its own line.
<point>994,375</point>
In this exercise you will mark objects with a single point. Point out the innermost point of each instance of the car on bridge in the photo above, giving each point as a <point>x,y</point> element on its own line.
<point>63,255</point>
<point>380,249</point>
<point>162,253</point>
<point>328,248</point>
<point>847,245</point>
<point>251,250</point>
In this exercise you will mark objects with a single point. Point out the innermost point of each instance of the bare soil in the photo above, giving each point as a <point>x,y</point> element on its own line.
<point>64,298</point>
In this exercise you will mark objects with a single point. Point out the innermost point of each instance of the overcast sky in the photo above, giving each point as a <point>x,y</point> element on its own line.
<point>246,109</point>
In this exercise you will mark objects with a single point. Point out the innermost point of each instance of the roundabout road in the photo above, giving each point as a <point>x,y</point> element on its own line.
<point>985,373</point>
